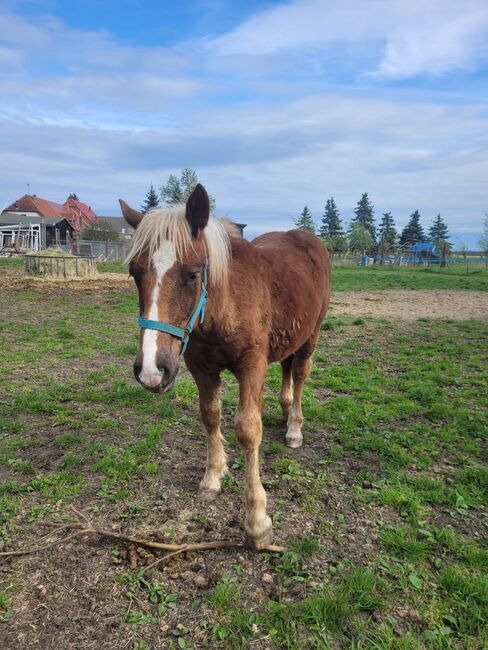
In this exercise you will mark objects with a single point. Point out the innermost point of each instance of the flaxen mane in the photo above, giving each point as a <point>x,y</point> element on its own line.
<point>170,224</point>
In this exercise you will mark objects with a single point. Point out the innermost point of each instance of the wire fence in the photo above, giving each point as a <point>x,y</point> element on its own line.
<point>411,261</point>
<point>104,251</point>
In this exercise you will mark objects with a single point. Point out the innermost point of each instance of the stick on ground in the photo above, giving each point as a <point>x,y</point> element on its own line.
<point>85,527</point>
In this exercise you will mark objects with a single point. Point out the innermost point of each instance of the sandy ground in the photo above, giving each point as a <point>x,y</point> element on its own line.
<point>410,305</point>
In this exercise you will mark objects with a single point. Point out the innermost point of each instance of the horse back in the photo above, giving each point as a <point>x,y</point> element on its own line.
<point>298,277</point>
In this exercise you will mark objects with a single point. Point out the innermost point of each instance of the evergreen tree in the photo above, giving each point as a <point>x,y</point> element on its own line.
<point>305,221</point>
<point>331,231</point>
<point>331,226</point>
<point>151,200</point>
<point>177,190</point>
<point>364,212</point>
<point>359,238</point>
<point>73,196</point>
<point>387,234</point>
<point>438,232</point>
<point>413,231</point>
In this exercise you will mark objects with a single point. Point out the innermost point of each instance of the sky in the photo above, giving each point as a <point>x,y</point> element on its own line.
<point>276,105</point>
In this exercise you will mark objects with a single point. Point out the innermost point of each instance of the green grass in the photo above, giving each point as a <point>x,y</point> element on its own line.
<point>12,262</point>
<point>112,267</point>
<point>369,278</point>
<point>372,278</point>
<point>225,594</point>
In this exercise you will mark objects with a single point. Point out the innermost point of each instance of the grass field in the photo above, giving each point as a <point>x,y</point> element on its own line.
<point>369,278</point>
<point>383,509</point>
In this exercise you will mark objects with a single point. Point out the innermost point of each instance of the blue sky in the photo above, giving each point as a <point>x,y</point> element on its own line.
<point>275,104</point>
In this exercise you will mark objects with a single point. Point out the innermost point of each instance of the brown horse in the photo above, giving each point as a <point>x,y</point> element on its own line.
<point>266,302</point>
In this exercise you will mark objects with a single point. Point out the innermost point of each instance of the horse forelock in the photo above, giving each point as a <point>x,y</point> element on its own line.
<point>170,225</point>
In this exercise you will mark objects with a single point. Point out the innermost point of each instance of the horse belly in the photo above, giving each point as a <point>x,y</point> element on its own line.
<point>295,321</point>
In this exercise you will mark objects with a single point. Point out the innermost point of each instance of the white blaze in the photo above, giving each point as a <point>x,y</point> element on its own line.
<point>163,259</point>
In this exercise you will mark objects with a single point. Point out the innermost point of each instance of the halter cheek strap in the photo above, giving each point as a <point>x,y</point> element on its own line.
<point>179,332</point>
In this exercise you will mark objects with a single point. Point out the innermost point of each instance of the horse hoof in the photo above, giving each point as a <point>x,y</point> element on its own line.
<point>261,542</point>
<point>294,443</point>
<point>208,495</point>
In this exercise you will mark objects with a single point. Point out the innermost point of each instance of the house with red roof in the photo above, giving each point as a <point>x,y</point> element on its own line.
<point>77,213</point>
<point>35,223</point>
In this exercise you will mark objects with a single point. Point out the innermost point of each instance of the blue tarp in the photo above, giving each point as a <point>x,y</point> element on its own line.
<point>423,247</point>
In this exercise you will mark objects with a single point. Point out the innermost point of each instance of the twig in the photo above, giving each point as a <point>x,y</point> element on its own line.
<point>29,551</point>
<point>165,558</point>
<point>87,528</point>
<point>82,516</point>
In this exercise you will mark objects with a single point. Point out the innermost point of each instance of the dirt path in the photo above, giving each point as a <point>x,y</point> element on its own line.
<point>410,305</point>
<point>407,305</point>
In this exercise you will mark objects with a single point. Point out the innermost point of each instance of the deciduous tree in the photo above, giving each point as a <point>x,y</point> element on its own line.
<point>484,238</point>
<point>359,239</point>
<point>177,190</point>
<point>102,230</point>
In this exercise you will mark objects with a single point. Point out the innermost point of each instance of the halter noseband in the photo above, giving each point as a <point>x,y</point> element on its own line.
<point>179,332</point>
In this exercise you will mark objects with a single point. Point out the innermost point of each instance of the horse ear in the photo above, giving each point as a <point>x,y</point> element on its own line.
<point>198,210</point>
<point>132,217</point>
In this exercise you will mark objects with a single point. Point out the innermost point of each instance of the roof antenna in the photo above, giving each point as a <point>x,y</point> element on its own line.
<point>28,188</point>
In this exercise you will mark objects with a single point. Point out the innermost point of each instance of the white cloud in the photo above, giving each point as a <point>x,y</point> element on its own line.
<point>437,46</point>
<point>411,37</point>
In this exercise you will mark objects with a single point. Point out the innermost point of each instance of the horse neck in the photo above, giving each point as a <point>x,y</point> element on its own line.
<point>220,302</point>
<point>217,309</point>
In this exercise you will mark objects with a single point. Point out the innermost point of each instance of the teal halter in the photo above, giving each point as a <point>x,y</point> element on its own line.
<point>179,332</point>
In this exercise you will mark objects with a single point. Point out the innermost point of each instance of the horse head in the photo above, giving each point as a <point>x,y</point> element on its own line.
<point>168,260</point>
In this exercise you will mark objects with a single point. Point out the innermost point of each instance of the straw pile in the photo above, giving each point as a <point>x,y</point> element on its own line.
<point>54,263</point>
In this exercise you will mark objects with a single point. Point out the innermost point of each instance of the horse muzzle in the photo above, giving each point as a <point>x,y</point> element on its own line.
<point>159,377</point>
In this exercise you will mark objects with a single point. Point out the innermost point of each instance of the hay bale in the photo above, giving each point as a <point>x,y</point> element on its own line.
<point>54,263</point>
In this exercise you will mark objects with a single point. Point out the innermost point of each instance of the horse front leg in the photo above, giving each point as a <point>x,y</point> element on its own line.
<point>216,467</point>
<point>251,378</point>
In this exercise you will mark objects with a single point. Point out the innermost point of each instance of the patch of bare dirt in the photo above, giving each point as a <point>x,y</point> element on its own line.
<point>411,305</point>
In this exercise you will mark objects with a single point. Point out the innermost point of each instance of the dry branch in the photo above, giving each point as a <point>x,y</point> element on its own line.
<point>85,527</point>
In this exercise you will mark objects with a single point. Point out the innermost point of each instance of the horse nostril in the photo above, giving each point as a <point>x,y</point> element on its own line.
<point>137,369</point>
<point>163,368</point>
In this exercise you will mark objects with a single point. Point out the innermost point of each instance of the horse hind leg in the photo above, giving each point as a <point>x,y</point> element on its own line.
<point>286,393</point>
<point>300,370</point>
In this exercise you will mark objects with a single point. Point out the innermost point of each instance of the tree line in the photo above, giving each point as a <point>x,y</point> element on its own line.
<point>364,236</point>
<point>361,236</point>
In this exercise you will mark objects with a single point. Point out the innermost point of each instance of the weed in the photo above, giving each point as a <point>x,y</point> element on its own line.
<point>287,468</point>
<point>275,448</point>
<point>403,542</point>
<point>59,485</point>
<point>403,499</point>
<point>8,508</point>
<point>138,619</point>
<point>225,593</point>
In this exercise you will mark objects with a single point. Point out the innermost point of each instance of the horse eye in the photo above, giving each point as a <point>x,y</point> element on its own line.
<point>191,277</point>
